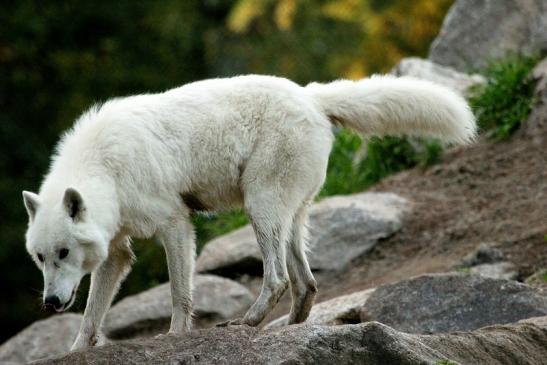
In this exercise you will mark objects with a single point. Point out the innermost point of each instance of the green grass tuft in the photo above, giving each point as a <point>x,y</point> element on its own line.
<point>211,226</point>
<point>384,157</point>
<point>507,98</point>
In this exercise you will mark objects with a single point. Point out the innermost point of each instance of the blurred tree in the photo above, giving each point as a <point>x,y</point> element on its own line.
<point>58,58</point>
<point>322,40</point>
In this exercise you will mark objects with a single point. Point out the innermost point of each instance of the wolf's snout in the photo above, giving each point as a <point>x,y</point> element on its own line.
<point>52,303</point>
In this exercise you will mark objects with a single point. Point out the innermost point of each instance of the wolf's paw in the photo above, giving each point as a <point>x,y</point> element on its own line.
<point>85,340</point>
<point>166,335</point>
<point>161,336</point>
<point>232,322</point>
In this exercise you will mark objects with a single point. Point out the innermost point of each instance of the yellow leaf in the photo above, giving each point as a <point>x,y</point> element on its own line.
<point>345,10</point>
<point>355,71</point>
<point>284,14</point>
<point>243,13</point>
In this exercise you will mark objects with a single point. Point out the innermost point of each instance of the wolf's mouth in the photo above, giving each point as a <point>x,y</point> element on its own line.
<point>69,303</point>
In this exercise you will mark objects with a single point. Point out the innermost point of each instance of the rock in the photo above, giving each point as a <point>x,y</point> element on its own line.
<point>538,321</point>
<point>340,310</point>
<point>487,260</point>
<point>535,127</point>
<point>485,253</point>
<point>369,343</point>
<point>149,313</point>
<point>452,302</point>
<point>430,71</point>
<point>539,74</point>
<point>538,279</point>
<point>232,254</point>
<point>500,270</point>
<point>43,339</point>
<point>341,229</point>
<point>475,32</point>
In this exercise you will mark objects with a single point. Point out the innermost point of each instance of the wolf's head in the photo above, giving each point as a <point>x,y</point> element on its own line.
<point>65,244</point>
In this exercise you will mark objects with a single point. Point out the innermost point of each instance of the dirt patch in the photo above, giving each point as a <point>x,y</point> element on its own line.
<point>489,192</point>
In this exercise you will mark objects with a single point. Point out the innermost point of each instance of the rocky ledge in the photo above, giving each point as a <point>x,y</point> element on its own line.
<point>367,343</point>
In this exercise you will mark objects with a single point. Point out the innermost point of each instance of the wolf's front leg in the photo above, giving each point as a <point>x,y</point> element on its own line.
<point>105,282</point>
<point>177,237</point>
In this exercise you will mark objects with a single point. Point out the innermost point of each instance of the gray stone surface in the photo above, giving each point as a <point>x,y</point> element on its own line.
<point>499,270</point>
<point>538,321</point>
<point>235,252</point>
<point>42,339</point>
<point>341,229</point>
<point>452,302</point>
<point>369,343</point>
<point>345,227</point>
<point>344,309</point>
<point>538,279</point>
<point>474,31</point>
<point>485,253</point>
<point>446,76</point>
<point>149,313</point>
<point>535,127</point>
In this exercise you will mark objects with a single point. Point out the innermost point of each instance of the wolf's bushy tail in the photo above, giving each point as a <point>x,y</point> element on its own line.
<point>387,105</point>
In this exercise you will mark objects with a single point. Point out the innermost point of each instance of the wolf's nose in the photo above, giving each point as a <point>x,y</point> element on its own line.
<point>52,302</point>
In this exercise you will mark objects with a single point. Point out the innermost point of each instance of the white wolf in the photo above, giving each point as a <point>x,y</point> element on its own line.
<point>139,166</point>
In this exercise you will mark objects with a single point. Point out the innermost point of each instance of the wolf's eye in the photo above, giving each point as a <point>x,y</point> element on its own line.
<point>40,257</point>
<point>63,253</point>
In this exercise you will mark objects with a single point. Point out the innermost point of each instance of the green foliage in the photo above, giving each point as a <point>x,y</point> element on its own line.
<point>211,226</point>
<point>507,98</point>
<point>348,173</point>
<point>464,270</point>
<point>381,32</point>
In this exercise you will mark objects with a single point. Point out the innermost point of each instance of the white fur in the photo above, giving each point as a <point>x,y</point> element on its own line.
<point>254,141</point>
<point>386,105</point>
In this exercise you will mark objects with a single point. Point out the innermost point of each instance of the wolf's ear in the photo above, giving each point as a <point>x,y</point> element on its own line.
<point>32,201</point>
<point>74,204</point>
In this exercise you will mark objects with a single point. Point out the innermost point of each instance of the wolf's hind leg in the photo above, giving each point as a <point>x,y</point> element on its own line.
<point>270,222</point>
<point>177,237</point>
<point>105,282</point>
<point>303,285</point>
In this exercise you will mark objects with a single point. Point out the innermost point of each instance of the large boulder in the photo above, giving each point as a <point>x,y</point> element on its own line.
<point>369,343</point>
<point>452,302</point>
<point>234,253</point>
<point>345,227</point>
<point>446,76</point>
<point>43,339</point>
<point>475,32</point>
<point>345,309</point>
<point>149,313</point>
<point>538,321</point>
<point>535,127</point>
<point>341,229</point>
